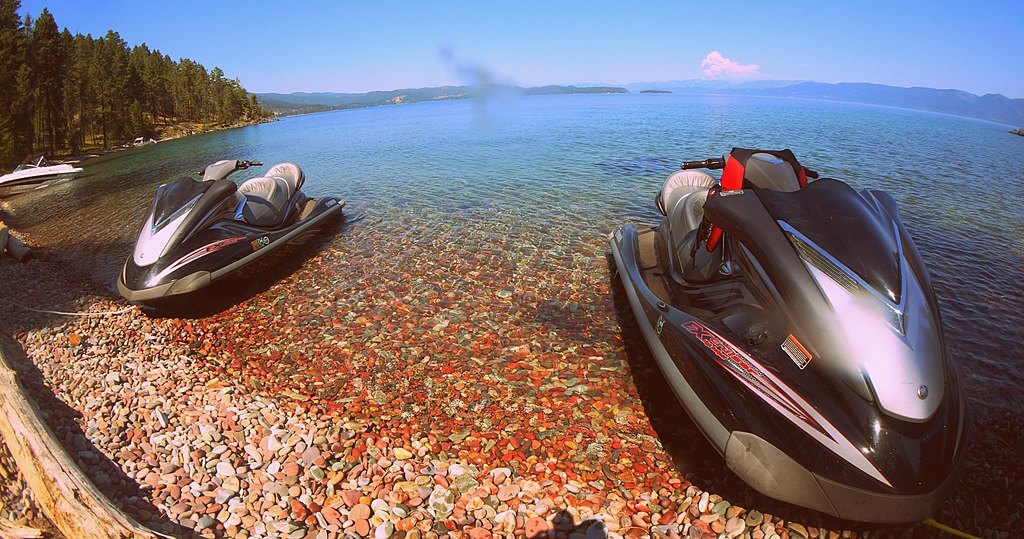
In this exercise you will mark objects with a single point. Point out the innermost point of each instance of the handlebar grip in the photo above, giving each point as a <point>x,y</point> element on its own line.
<point>812,174</point>
<point>713,163</point>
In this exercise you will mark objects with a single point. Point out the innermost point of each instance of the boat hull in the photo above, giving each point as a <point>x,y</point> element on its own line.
<point>12,186</point>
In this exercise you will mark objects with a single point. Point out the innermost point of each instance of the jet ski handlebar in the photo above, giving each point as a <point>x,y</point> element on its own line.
<point>221,169</point>
<point>716,163</point>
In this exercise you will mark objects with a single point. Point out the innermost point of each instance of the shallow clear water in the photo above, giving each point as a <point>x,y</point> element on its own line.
<point>533,185</point>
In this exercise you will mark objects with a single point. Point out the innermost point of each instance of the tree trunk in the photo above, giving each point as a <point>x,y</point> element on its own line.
<point>82,119</point>
<point>103,120</point>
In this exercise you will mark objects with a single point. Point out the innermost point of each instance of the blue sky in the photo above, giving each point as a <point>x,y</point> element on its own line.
<point>280,46</point>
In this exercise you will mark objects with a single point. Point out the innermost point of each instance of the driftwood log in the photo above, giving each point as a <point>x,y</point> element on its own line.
<point>12,244</point>
<point>71,501</point>
<point>10,530</point>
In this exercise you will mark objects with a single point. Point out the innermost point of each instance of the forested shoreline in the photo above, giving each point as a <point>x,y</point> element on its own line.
<point>63,93</point>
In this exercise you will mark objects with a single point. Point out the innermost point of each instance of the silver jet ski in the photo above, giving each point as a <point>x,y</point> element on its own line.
<point>197,232</point>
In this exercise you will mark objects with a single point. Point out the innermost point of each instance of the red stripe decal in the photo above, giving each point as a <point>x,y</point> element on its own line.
<point>753,375</point>
<point>201,252</point>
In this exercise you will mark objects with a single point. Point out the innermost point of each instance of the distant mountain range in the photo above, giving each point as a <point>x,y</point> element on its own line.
<point>993,107</point>
<point>695,86</point>
<point>304,103</point>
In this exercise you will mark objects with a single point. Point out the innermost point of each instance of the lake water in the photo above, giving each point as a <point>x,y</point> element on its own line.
<point>465,198</point>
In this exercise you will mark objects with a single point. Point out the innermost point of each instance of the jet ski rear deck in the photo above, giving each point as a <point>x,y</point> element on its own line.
<point>647,261</point>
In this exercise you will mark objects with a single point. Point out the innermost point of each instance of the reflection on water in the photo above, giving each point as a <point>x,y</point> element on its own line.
<point>534,191</point>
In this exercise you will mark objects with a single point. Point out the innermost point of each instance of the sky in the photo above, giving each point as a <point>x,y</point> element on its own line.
<point>282,46</point>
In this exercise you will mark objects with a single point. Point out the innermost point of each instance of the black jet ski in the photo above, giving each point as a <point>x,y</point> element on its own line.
<point>199,231</point>
<point>796,324</point>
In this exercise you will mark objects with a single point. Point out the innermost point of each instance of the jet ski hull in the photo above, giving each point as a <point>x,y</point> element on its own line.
<point>218,251</point>
<point>717,383</point>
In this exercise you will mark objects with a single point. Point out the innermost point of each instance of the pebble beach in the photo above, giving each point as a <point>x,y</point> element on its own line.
<point>442,396</point>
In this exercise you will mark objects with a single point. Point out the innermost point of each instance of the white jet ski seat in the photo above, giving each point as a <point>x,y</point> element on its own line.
<point>289,172</point>
<point>683,197</point>
<point>266,199</point>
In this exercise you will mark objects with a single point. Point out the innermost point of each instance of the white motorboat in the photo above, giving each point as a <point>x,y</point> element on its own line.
<point>34,172</point>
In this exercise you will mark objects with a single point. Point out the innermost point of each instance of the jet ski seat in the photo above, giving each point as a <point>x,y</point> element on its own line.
<point>682,184</point>
<point>683,197</point>
<point>289,172</point>
<point>266,199</point>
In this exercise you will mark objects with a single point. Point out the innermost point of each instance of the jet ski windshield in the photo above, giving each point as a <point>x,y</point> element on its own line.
<point>33,161</point>
<point>178,198</point>
<point>164,221</point>
<point>839,231</point>
<point>175,199</point>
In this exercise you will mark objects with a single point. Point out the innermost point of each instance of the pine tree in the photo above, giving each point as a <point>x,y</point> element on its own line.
<point>48,66</point>
<point>24,130</point>
<point>10,60</point>
<point>138,124</point>
<point>71,87</point>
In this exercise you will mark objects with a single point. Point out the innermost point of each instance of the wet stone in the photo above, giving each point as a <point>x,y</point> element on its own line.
<point>224,469</point>
<point>797,529</point>
<point>465,482</point>
<point>721,508</point>
<point>441,503</point>
<point>360,512</point>
<point>735,527</point>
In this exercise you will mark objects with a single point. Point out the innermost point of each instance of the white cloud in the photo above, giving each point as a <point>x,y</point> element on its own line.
<point>716,66</point>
